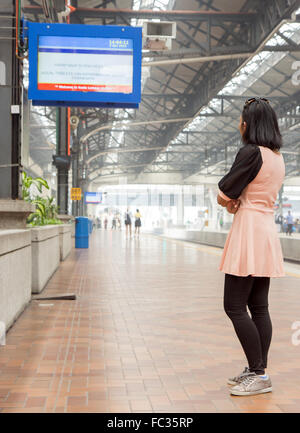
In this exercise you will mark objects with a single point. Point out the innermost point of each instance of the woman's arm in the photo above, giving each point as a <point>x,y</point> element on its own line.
<point>232,205</point>
<point>221,201</point>
<point>245,168</point>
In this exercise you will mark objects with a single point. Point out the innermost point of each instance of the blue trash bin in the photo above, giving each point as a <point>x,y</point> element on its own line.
<point>81,232</point>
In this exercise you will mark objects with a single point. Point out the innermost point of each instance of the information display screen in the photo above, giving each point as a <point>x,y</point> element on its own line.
<point>93,197</point>
<point>78,65</point>
<point>85,64</point>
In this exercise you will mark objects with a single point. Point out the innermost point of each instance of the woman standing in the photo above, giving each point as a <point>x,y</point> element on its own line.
<point>138,222</point>
<point>252,252</point>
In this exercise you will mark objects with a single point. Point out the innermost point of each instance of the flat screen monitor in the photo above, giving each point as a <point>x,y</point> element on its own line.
<point>71,64</point>
<point>93,197</point>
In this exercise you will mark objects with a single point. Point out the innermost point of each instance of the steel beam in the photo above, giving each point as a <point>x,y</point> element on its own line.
<point>169,15</point>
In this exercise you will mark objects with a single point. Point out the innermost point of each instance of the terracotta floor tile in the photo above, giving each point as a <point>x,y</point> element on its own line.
<point>16,397</point>
<point>142,405</point>
<point>224,405</point>
<point>119,406</point>
<point>22,410</point>
<point>11,404</point>
<point>77,401</point>
<point>4,393</point>
<point>37,402</point>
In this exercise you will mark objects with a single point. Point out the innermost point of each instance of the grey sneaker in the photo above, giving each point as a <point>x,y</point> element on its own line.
<point>252,385</point>
<point>237,379</point>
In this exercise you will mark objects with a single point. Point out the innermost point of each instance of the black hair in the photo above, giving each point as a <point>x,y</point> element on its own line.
<point>261,125</point>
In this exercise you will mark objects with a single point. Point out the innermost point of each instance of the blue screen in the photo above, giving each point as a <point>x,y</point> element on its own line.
<point>85,64</point>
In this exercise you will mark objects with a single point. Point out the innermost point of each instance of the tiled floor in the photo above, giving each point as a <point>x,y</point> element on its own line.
<point>147,333</point>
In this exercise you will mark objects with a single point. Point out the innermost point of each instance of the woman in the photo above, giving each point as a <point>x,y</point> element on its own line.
<point>128,223</point>
<point>138,222</point>
<point>252,252</point>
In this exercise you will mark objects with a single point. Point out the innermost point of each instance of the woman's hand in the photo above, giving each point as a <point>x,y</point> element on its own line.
<point>233,206</point>
<point>221,201</point>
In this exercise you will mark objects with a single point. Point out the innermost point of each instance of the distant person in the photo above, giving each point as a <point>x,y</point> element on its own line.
<point>280,222</point>
<point>114,223</point>
<point>128,223</point>
<point>221,221</point>
<point>105,223</point>
<point>138,222</point>
<point>252,253</point>
<point>289,221</point>
<point>119,223</point>
<point>284,226</point>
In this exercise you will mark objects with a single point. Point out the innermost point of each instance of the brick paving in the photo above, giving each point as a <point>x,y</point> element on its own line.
<point>147,333</point>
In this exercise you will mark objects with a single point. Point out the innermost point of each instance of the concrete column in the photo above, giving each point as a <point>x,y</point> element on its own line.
<point>180,206</point>
<point>75,180</point>
<point>10,97</point>
<point>213,211</point>
<point>62,149</point>
<point>13,213</point>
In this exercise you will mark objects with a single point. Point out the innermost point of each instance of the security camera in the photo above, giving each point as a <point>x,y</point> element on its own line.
<point>74,121</point>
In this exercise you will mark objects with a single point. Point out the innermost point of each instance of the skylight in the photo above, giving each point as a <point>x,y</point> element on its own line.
<point>257,67</point>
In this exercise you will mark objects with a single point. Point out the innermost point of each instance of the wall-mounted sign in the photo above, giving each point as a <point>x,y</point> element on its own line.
<point>93,197</point>
<point>75,194</point>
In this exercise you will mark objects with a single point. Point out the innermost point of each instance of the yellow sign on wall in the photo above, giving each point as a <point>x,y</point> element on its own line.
<point>75,193</point>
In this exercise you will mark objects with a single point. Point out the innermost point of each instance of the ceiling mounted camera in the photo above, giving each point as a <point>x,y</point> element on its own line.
<point>74,121</point>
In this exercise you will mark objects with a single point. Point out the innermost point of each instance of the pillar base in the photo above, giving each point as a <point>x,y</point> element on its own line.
<point>65,218</point>
<point>14,213</point>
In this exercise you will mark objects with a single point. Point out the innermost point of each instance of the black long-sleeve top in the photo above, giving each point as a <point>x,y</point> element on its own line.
<point>247,163</point>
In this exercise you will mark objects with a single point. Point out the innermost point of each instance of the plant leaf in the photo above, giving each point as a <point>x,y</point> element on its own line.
<point>42,182</point>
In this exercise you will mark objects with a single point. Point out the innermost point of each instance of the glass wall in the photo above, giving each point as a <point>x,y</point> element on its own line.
<point>174,206</point>
<point>192,206</point>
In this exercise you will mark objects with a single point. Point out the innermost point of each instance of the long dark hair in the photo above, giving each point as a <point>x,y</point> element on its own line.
<point>261,124</point>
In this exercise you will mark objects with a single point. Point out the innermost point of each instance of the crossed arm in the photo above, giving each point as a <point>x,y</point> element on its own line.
<point>232,205</point>
<point>221,201</point>
<point>245,168</point>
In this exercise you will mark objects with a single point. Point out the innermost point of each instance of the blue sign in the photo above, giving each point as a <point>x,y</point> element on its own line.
<point>83,65</point>
<point>93,197</point>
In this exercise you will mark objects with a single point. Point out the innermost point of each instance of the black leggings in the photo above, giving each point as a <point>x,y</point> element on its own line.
<point>255,332</point>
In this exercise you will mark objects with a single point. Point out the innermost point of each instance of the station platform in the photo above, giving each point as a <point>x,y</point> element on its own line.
<point>147,333</point>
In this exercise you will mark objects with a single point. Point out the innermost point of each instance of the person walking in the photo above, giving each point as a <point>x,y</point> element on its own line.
<point>252,252</point>
<point>114,223</point>
<point>297,227</point>
<point>221,222</point>
<point>128,223</point>
<point>119,222</point>
<point>290,222</point>
<point>137,222</point>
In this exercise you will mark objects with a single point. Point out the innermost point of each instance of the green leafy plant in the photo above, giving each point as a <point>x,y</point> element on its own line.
<point>46,210</point>
<point>28,182</point>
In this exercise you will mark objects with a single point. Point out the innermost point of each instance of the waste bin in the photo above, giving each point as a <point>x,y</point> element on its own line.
<point>82,232</point>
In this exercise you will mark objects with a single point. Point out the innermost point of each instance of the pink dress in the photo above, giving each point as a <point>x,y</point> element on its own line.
<point>252,246</point>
